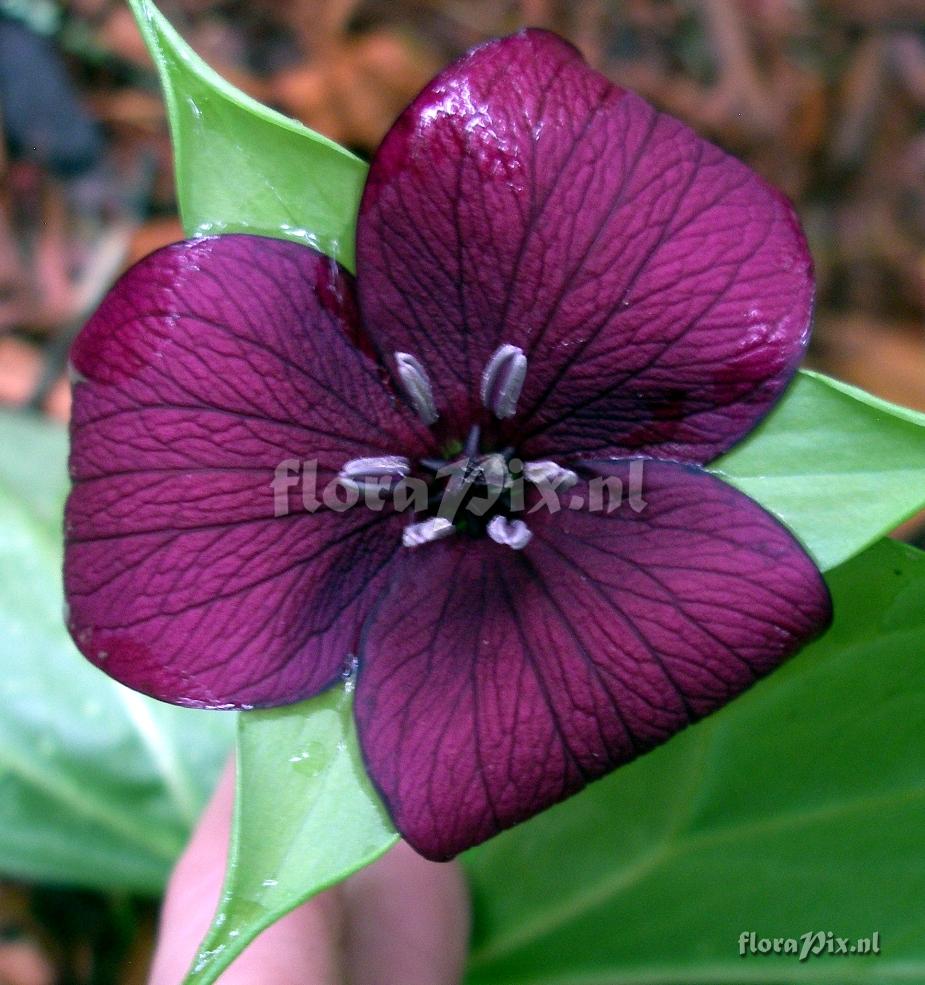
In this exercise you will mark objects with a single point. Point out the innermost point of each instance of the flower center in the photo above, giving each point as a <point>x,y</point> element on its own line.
<point>472,491</point>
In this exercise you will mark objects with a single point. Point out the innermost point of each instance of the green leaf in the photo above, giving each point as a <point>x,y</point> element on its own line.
<point>241,167</point>
<point>306,817</point>
<point>837,465</point>
<point>98,785</point>
<point>33,467</point>
<point>798,807</point>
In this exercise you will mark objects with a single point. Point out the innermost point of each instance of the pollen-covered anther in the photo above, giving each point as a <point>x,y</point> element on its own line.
<point>549,474</point>
<point>382,470</point>
<point>503,379</point>
<point>426,531</point>
<point>512,533</point>
<point>417,386</point>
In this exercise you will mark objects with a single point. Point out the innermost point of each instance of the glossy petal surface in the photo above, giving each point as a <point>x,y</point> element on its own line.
<point>209,364</point>
<point>494,683</point>
<point>661,290</point>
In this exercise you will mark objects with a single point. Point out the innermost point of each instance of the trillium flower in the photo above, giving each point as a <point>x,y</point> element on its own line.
<point>555,282</point>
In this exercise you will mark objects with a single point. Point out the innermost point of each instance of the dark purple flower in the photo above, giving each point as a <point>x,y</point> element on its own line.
<point>548,270</point>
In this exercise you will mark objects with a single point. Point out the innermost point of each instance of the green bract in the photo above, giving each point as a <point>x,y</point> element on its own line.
<point>244,168</point>
<point>305,818</point>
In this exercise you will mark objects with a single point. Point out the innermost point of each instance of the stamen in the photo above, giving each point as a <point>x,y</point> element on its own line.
<point>549,473</point>
<point>417,386</point>
<point>471,447</point>
<point>426,531</point>
<point>382,465</point>
<point>363,472</point>
<point>512,533</point>
<point>503,379</point>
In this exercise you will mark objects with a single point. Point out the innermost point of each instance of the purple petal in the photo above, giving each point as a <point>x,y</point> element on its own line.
<point>209,364</point>
<point>494,683</point>
<point>661,291</point>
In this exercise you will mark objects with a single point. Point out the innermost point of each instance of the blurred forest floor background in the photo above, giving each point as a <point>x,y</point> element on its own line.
<point>825,99</point>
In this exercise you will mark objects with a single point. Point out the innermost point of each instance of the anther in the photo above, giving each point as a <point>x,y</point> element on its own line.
<point>549,474</point>
<point>503,379</point>
<point>363,472</point>
<point>512,533</point>
<point>426,531</point>
<point>417,386</point>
